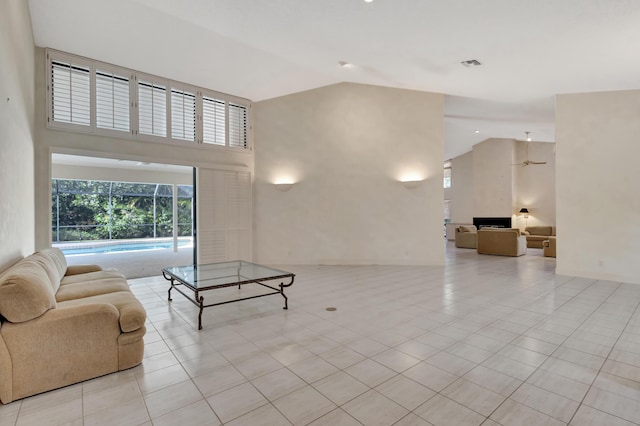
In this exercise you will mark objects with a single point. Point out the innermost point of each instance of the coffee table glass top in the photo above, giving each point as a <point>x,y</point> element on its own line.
<point>223,274</point>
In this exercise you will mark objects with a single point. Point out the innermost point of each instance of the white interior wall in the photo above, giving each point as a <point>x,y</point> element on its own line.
<point>532,186</point>
<point>58,141</point>
<point>493,178</point>
<point>461,193</point>
<point>346,146</point>
<point>597,179</point>
<point>536,184</point>
<point>16,132</point>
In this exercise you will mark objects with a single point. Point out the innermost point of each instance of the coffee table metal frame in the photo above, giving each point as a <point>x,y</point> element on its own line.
<point>179,276</point>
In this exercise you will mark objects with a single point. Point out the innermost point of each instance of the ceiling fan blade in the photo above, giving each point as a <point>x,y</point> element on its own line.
<point>537,162</point>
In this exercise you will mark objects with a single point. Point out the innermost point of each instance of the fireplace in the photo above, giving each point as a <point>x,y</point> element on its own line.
<point>492,222</point>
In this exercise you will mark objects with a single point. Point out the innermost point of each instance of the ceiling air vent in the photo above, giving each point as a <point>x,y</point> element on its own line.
<point>471,63</point>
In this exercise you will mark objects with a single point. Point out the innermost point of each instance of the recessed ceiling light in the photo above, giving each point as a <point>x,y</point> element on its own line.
<point>477,131</point>
<point>345,64</point>
<point>368,1</point>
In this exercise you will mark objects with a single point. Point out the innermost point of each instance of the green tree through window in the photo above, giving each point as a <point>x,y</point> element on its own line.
<point>97,210</point>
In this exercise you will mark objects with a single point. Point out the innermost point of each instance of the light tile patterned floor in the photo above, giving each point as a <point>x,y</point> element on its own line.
<point>484,340</point>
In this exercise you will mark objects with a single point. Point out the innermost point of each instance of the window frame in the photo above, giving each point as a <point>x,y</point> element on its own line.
<point>227,100</point>
<point>115,70</point>
<point>185,88</point>
<point>149,78</point>
<point>134,108</point>
<point>447,166</point>
<point>72,59</point>
<point>201,96</point>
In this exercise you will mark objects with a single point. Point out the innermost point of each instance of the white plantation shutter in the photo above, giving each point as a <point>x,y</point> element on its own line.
<point>183,115</point>
<point>224,215</point>
<point>237,125</point>
<point>213,121</point>
<point>70,93</point>
<point>112,101</point>
<point>152,109</point>
<point>88,96</point>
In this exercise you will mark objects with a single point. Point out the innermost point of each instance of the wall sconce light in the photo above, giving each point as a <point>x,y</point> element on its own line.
<point>283,187</point>
<point>411,184</point>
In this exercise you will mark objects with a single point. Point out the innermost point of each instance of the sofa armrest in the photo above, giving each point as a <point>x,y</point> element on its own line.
<point>521,245</point>
<point>526,233</point>
<point>65,345</point>
<point>81,269</point>
<point>6,381</point>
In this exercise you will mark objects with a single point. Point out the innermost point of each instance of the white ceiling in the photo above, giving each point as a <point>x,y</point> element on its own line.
<point>530,50</point>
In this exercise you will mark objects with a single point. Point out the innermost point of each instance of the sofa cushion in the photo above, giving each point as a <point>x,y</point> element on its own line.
<point>132,314</point>
<point>540,230</point>
<point>92,276</point>
<point>79,290</point>
<point>467,228</point>
<point>50,268</point>
<point>25,292</point>
<point>56,255</point>
<point>537,237</point>
<point>502,241</point>
<point>81,269</point>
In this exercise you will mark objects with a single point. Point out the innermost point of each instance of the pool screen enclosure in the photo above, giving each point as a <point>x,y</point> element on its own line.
<point>85,210</point>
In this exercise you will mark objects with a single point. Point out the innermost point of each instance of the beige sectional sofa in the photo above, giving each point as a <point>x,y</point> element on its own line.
<point>466,236</point>
<point>61,325</point>
<point>549,247</point>
<point>501,241</point>
<point>537,234</point>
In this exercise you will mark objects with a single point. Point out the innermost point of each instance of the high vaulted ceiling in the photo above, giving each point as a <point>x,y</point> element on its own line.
<point>530,50</point>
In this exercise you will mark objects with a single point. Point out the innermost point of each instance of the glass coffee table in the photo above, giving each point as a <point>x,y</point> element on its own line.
<point>211,276</point>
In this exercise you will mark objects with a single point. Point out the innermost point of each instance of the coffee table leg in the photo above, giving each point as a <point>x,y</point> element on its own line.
<point>286,299</point>
<point>201,301</point>
<point>170,288</point>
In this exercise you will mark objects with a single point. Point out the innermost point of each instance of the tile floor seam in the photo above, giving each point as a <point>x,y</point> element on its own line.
<point>549,356</point>
<point>204,398</point>
<point>605,361</point>
<point>144,400</point>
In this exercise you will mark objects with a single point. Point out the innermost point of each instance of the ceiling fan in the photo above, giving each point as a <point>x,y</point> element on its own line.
<point>527,161</point>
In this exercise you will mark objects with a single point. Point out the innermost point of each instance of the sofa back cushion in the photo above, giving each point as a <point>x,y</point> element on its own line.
<point>57,256</point>
<point>25,292</point>
<point>49,266</point>
<point>502,241</point>
<point>467,228</point>
<point>540,230</point>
